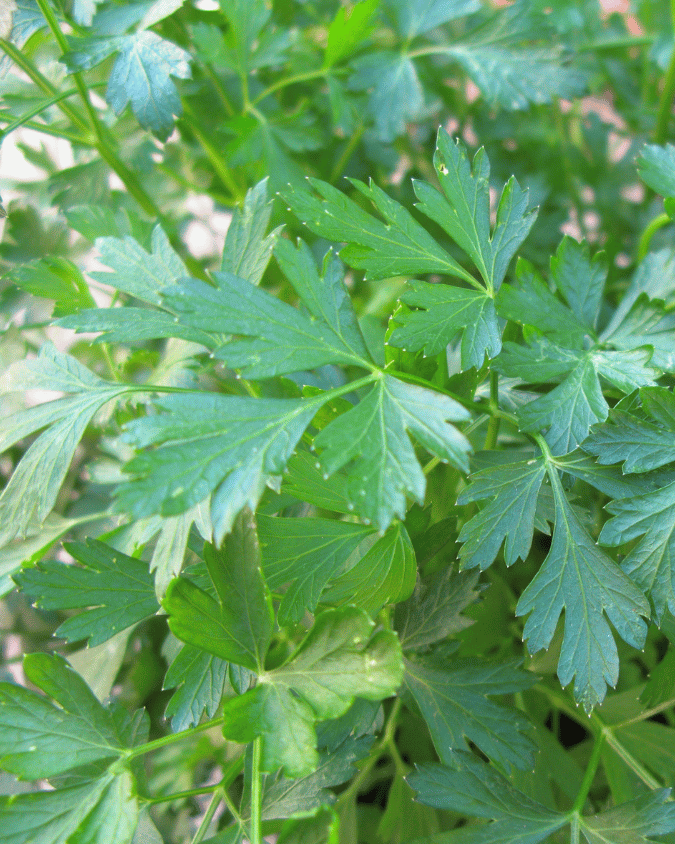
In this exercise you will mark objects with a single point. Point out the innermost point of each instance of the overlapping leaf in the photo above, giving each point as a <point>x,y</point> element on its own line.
<point>32,490</point>
<point>372,440</point>
<point>199,680</point>
<point>118,590</point>
<point>578,577</point>
<point>339,660</point>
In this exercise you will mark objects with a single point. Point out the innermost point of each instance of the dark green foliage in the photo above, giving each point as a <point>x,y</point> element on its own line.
<point>365,485</point>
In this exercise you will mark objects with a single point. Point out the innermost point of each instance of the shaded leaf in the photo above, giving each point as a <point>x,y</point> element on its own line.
<point>199,679</point>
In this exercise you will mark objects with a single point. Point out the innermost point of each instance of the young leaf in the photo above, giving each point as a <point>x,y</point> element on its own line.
<point>349,29</point>
<point>32,490</point>
<point>248,249</point>
<point>338,660</point>
<point>577,576</point>
<point>453,702</point>
<point>463,209</point>
<point>433,612</point>
<point>117,589</point>
<point>305,481</point>
<point>446,311</point>
<point>38,739</point>
<point>199,680</point>
<point>511,493</point>
<point>306,553</point>
<point>476,789</point>
<point>372,438</point>
<point>384,575</point>
<point>237,624</point>
<point>54,278</point>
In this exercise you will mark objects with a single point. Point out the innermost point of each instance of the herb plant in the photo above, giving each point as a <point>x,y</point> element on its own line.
<point>357,527</point>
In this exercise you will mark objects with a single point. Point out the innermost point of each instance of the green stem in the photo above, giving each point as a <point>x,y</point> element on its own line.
<point>38,109</point>
<point>173,738</point>
<point>347,152</point>
<point>182,795</point>
<point>422,382</point>
<point>636,767</point>
<point>290,80</point>
<point>208,817</point>
<point>42,82</point>
<point>667,94</point>
<point>649,232</point>
<point>212,153</point>
<point>222,94</point>
<point>493,424</point>
<point>256,789</point>
<point>589,776</point>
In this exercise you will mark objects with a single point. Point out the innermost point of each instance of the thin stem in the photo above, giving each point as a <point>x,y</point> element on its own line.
<point>212,153</point>
<point>256,789</point>
<point>290,80</point>
<point>637,767</point>
<point>42,82</point>
<point>218,85</point>
<point>182,795</point>
<point>667,94</point>
<point>347,152</point>
<point>649,232</point>
<point>591,771</point>
<point>208,817</point>
<point>38,109</point>
<point>173,738</point>
<point>493,424</point>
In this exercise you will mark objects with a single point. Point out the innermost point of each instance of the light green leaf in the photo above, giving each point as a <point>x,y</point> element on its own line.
<point>134,326</point>
<point>400,246</point>
<point>102,811</point>
<point>577,576</point>
<point>463,209</point>
<point>144,275</point>
<point>648,323</point>
<point>248,249</point>
<point>372,438</point>
<point>656,166</point>
<point>417,17</point>
<point>117,589</point>
<point>433,612</point>
<point>635,822</point>
<point>348,30</point>
<point>385,574</point>
<point>511,494</point>
<point>54,278</point>
<point>159,10</point>
<point>38,739</point>
<point>227,443</point>
<point>142,75</point>
<point>453,700</point>
<point>305,553</point>
<point>199,680</point>
<point>305,481</point>
<point>446,311</point>
<point>236,625</point>
<point>580,279</point>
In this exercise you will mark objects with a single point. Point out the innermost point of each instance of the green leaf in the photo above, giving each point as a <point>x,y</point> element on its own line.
<point>54,278</point>
<point>117,589</point>
<point>463,209</point>
<point>307,554</point>
<point>651,562</point>
<point>248,249</point>
<point>199,680</point>
<point>511,494</point>
<point>349,29</point>
<point>285,798</point>
<point>237,624</point>
<point>400,246</point>
<point>635,822</point>
<point>282,338</point>
<point>230,444</point>
<point>142,75</point>
<point>134,326</point>
<point>144,275</point>
<point>479,790</point>
<point>38,739</point>
<point>338,660</point>
<point>305,481</point>
<point>101,811</point>
<point>656,166</point>
<point>371,438</point>
<point>385,574</point>
<point>448,310</point>
<point>31,493</point>
<point>577,576</point>
<point>648,323</point>
<point>433,611</point>
<point>416,18</point>
<point>453,700</point>
<point>580,279</point>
